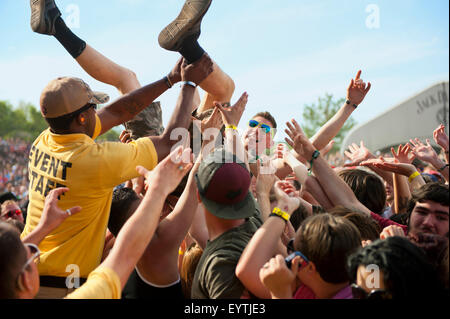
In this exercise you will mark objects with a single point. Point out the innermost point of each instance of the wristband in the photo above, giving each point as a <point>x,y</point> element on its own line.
<point>279,213</point>
<point>413,175</point>
<point>231,126</point>
<point>169,84</point>
<point>190,83</point>
<point>315,155</point>
<point>442,168</point>
<point>354,105</point>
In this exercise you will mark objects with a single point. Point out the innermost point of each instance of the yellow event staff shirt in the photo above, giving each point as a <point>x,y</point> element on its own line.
<point>90,171</point>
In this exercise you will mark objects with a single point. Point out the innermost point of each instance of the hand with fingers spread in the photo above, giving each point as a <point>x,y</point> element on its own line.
<point>232,115</point>
<point>298,140</point>
<point>403,154</point>
<point>52,215</point>
<point>212,121</point>
<point>170,171</point>
<point>441,138</point>
<point>357,90</point>
<point>357,154</point>
<point>423,152</point>
<point>391,166</point>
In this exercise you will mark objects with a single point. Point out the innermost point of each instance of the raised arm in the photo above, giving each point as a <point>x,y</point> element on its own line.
<point>230,118</point>
<point>356,92</point>
<point>442,140</point>
<point>426,153</point>
<point>136,233</point>
<point>336,189</point>
<point>181,117</point>
<point>52,217</point>
<point>361,153</point>
<point>264,244</point>
<point>129,105</point>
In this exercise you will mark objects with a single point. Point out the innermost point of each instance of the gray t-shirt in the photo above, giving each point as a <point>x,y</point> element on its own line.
<point>215,274</point>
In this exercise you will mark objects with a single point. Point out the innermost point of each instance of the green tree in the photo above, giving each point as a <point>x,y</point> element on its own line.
<point>315,115</point>
<point>26,122</point>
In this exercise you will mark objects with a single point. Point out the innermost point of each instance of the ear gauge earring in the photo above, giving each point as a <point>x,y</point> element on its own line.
<point>82,120</point>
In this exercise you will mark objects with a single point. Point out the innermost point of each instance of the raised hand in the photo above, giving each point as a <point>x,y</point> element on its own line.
<point>170,171</point>
<point>125,137</point>
<point>423,152</point>
<point>52,215</point>
<point>357,90</point>
<point>264,180</point>
<point>298,140</point>
<point>441,138</point>
<point>175,74</point>
<point>403,154</point>
<point>357,154</point>
<point>212,121</point>
<point>198,71</point>
<point>398,168</point>
<point>286,196</point>
<point>232,115</point>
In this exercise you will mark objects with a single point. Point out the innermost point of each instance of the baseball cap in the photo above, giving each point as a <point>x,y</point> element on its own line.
<point>66,95</point>
<point>223,183</point>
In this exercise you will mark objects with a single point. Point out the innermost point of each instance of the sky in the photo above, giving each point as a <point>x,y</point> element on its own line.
<point>285,54</point>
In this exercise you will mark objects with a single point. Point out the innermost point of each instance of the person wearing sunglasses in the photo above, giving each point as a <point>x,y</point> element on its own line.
<point>258,137</point>
<point>393,268</point>
<point>11,210</point>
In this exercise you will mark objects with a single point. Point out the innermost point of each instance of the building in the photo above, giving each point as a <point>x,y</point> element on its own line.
<point>418,117</point>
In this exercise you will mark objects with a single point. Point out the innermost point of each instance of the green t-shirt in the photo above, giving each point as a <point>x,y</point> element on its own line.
<point>215,274</point>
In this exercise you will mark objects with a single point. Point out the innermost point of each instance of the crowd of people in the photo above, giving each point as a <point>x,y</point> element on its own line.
<point>211,214</point>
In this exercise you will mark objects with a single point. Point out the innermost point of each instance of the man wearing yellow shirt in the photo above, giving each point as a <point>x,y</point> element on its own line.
<point>18,270</point>
<point>66,155</point>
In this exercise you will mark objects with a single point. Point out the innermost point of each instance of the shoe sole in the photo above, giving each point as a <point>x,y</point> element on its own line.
<point>37,21</point>
<point>173,34</point>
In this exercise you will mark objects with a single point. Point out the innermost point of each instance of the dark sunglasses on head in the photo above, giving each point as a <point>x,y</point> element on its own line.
<point>13,213</point>
<point>376,294</point>
<point>265,127</point>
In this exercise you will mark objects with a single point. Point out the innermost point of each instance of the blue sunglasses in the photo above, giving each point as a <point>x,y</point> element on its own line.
<point>265,127</point>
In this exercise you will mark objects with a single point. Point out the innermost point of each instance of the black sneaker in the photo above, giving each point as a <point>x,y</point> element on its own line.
<point>185,25</point>
<point>43,16</point>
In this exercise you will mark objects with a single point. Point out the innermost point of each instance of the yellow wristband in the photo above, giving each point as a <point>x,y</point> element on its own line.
<point>413,175</point>
<point>278,212</point>
<point>231,126</point>
<point>180,252</point>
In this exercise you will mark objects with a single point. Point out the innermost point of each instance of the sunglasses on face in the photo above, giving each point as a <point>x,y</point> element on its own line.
<point>376,294</point>
<point>266,128</point>
<point>12,213</point>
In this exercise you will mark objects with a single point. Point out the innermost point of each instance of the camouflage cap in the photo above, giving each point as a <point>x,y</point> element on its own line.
<point>147,123</point>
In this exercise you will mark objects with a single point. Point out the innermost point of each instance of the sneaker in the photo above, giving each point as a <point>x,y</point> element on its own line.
<point>43,16</point>
<point>185,25</point>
